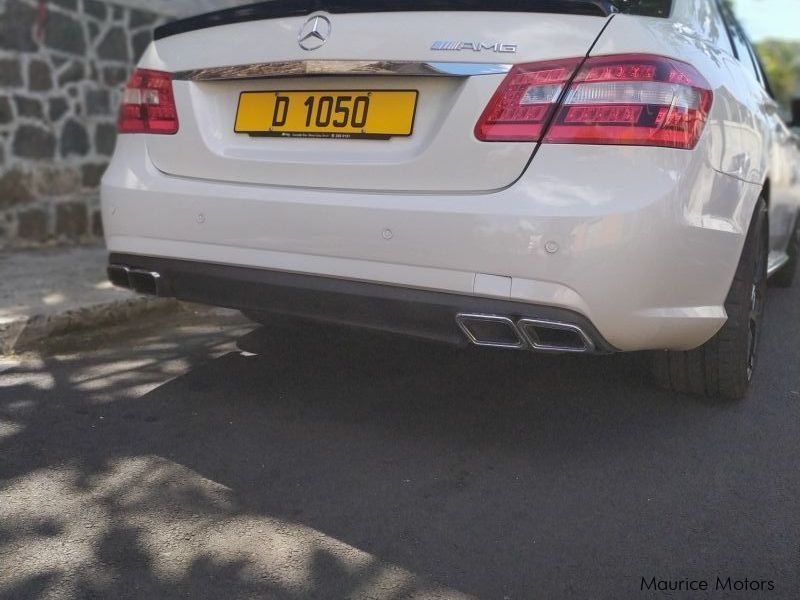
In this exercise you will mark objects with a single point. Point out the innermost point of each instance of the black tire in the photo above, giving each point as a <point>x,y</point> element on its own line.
<point>722,368</point>
<point>785,277</point>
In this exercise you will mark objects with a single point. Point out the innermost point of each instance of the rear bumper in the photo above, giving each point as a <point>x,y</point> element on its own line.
<point>417,313</point>
<point>646,256</point>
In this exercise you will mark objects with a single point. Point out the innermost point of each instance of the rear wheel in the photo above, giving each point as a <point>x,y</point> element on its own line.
<point>723,367</point>
<point>785,277</point>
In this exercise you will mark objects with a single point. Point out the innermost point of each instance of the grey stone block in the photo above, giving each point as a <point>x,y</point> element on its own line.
<point>96,9</point>
<point>16,27</point>
<point>10,72</point>
<point>15,188</point>
<point>32,225</point>
<point>114,45</point>
<point>105,137</point>
<point>6,113</point>
<point>40,76</point>
<point>74,139</point>
<point>98,102</point>
<point>72,220</point>
<point>32,141</point>
<point>57,181</point>
<point>64,33</point>
<point>29,107</point>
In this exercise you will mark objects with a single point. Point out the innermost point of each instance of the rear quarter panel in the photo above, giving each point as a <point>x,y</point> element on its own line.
<point>746,137</point>
<point>695,34</point>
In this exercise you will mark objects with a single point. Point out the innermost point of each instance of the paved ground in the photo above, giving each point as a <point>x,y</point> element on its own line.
<point>200,459</point>
<point>57,290</point>
<point>47,281</point>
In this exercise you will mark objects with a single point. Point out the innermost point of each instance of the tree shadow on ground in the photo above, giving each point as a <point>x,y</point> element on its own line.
<point>322,463</point>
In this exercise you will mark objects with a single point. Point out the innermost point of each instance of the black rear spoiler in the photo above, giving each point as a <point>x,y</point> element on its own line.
<point>276,9</point>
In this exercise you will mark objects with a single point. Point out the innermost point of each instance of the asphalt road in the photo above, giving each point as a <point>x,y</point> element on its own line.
<point>200,458</point>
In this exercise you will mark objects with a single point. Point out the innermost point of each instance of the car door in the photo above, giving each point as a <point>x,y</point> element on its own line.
<point>782,166</point>
<point>767,144</point>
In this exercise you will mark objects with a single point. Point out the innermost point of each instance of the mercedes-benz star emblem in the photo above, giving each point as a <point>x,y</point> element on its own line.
<point>314,33</point>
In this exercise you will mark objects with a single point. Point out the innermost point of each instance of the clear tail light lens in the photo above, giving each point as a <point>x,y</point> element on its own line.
<point>525,102</point>
<point>635,100</point>
<point>148,104</point>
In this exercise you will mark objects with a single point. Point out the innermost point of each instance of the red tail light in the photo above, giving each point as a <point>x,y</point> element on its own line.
<point>636,100</point>
<point>148,104</point>
<point>525,102</point>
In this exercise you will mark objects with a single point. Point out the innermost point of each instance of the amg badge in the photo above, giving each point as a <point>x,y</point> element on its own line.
<point>500,47</point>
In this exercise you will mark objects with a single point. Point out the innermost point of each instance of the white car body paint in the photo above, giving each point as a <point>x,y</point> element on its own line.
<point>641,241</point>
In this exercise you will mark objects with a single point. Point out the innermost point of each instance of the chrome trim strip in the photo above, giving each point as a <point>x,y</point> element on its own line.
<point>462,320</point>
<point>533,339</point>
<point>306,68</point>
<point>775,265</point>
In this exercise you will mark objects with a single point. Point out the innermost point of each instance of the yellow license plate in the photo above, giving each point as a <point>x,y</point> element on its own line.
<point>377,114</point>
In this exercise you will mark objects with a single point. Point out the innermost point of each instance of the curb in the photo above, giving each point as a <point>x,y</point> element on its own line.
<point>24,334</point>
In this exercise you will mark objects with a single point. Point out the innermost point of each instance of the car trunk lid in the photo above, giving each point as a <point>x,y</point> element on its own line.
<point>453,62</point>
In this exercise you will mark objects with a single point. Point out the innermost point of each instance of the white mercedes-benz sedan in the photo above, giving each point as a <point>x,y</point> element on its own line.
<point>586,176</point>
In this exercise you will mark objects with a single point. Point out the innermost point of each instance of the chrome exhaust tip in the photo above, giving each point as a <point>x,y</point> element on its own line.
<point>145,282</point>
<point>139,280</point>
<point>554,336</point>
<point>491,331</point>
<point>119,275</point>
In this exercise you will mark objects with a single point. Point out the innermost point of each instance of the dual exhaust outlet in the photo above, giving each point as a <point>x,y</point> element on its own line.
<point>142,281</point>
<point>541,335</point>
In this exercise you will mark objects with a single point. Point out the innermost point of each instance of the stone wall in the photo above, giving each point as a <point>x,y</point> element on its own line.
<point>63,65</point>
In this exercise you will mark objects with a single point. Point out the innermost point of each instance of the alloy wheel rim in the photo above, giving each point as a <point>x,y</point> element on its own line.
<point>757,292</point>
<point>752,342</point>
